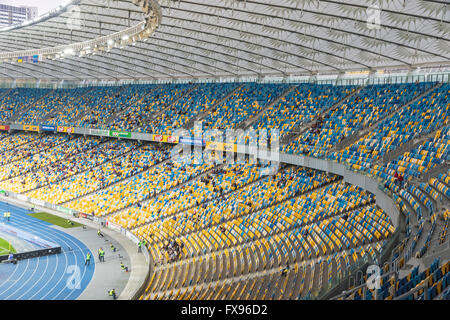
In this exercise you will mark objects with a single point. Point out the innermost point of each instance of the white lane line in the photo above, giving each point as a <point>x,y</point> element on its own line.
<point>38,280</point>
<point>21,276</point>
<point>30,278</point>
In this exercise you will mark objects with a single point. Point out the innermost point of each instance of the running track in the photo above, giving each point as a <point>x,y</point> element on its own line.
<point>50,277</point>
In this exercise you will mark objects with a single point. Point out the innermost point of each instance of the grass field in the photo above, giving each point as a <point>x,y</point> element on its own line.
<point>4,246</point>
<point>50,218</point>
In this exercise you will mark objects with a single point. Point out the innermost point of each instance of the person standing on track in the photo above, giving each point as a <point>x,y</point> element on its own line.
<point>102,255</point>
<point>88,259</point>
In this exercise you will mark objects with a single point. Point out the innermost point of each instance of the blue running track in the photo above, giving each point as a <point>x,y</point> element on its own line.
<point>50,277</point>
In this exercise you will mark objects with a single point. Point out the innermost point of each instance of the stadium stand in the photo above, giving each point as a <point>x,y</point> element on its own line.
<point>11,141</point>
<point>197,100</point>
<point>214,184</point>
<point>108,164</point>
<point>301,106</point>
<point>18,100</point>
<point>228,231</point>
<point>244,103</point>
<point>436,278</point>
<point>43,109</point>
<point>72,112</point>
<point>100,106</point>
<point>423,116</point>
<point>158,98</point>
<point>137,188</point>
<point>371,104</point>
<point>31,156</point>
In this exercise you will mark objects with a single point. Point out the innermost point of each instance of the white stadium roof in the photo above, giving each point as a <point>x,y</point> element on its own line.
<point>230,38</point>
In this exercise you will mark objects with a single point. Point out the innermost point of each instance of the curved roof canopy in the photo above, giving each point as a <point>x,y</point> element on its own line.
<point>233,38</point>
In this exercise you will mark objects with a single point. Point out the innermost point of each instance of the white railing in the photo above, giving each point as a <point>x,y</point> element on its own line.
<point>443,77</point>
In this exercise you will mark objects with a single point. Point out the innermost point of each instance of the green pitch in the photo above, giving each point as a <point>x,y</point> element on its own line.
<point>4,247</point>
<point>50,218</point>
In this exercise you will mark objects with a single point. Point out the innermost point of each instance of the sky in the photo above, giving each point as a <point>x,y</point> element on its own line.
<point>43,5</point>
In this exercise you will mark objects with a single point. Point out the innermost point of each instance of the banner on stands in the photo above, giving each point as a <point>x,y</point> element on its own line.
<point>221,146</point>
<point>120,134</point>
<point>192,141</point>
<point>37,202</point>
<point>31,128</point>
<point>164,138</point>
<point>99,132</point>
<point>65,210</point>
<point>65,129</point>
<point>85,216</point>
<point>48,128</point>
<point>4,128</point>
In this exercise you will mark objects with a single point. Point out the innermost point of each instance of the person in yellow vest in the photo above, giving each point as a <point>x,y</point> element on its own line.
<point>112,293</point>
<point>88,259</point>
<point>101,255</point>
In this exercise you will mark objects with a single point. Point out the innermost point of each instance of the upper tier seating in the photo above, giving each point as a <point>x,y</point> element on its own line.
<point>52,103</point>
<point>421,117</point>
<point>371,104</point>
<point>417,162</point>
<point>69,114</point>
<point>243,104</point>
<point>113,100</point>
<point>158,98</point>
<point>199,100</point>
<point>300,106</point>
<point>19,99</point>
